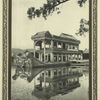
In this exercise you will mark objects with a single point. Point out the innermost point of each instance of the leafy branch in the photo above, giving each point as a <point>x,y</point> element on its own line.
<point>48,8</point>
<point>84,27</point>
<point>81,2</point>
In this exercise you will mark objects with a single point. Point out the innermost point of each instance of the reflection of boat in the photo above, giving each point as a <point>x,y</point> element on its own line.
<point>56,81</point>
<point>56,87</point>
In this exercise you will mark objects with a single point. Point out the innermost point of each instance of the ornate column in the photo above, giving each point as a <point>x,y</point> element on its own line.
<point>51,57</point>
<point>67,70</point>
<point>44,50</point>
<point>78,47</point>
<point>81,56</point>
<point>57,72</point>
<point>44,63</point>
<point>40,56</point>
<point>62,72</point>
<point>69,56</point>
<point>62,45</point>
<point>51,54</point>
<point>77,56</point>
<point>52,73</point>
<point>40,45</point>
<point>52,43</point>
<point>57,57</point>
<point>66,57</point>
<point>61,57</point>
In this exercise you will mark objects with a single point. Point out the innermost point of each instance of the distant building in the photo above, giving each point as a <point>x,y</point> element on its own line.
<point>56,48</point>
<point>86,54</point>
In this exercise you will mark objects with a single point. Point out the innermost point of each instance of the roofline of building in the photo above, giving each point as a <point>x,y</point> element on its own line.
<point>54,37</point>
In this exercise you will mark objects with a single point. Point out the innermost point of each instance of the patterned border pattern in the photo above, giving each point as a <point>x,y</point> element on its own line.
<point>94,53</point>
<point>5,50</point>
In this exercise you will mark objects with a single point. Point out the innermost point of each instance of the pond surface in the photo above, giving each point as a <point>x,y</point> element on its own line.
<point>22,90</point>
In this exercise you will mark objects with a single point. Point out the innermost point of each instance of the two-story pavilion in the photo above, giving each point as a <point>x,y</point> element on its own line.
<point>61,48</point>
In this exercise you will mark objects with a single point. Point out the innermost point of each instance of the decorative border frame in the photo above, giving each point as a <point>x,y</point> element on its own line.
<point>6,48</point>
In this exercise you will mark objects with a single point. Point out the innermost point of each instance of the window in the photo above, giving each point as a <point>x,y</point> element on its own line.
<point>69,57</point>
<point>59,45</point>
<point>64,83</point>
<point>55,44</point>
<point>64,70</point>
<point>37,55</point>
<point>55,58</point>
<point>64,46</point>
<point>48,57</point>
<point>42,74</point>
<point>69,46</point>
<point>55,72</point>
<point>49,73</point>
<point>64,58</point>
<point>59,72</point>
<point>60,58</point>
<point>73,47</point>
<point>60,83</point>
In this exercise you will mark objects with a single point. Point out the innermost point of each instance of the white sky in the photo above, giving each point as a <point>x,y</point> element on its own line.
<point>67,22</point>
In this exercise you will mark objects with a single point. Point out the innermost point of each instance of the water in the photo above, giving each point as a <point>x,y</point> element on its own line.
<point>22,90</point>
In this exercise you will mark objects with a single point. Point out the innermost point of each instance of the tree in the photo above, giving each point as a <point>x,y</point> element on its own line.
<point>48,8</point>
<point>84,27</point>
<point>51,6</point>
<point>81,2</point>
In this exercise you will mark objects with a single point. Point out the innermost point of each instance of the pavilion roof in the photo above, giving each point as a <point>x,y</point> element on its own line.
<point>47,34</point>
<point>42,34</point>
<point>86,51</point>
<point>64,35</point>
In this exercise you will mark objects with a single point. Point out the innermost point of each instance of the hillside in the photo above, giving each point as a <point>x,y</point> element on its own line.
<point>16,51</point>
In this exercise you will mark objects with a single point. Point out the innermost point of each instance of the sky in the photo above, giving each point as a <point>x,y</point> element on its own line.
<point>67,21</point>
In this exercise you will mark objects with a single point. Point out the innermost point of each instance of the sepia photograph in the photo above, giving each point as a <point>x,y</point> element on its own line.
<point>50,50</point>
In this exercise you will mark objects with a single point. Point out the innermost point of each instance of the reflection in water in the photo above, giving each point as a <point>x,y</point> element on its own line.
<point>58,87</point>
<point>62,83</point>
<point>58,81</point>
